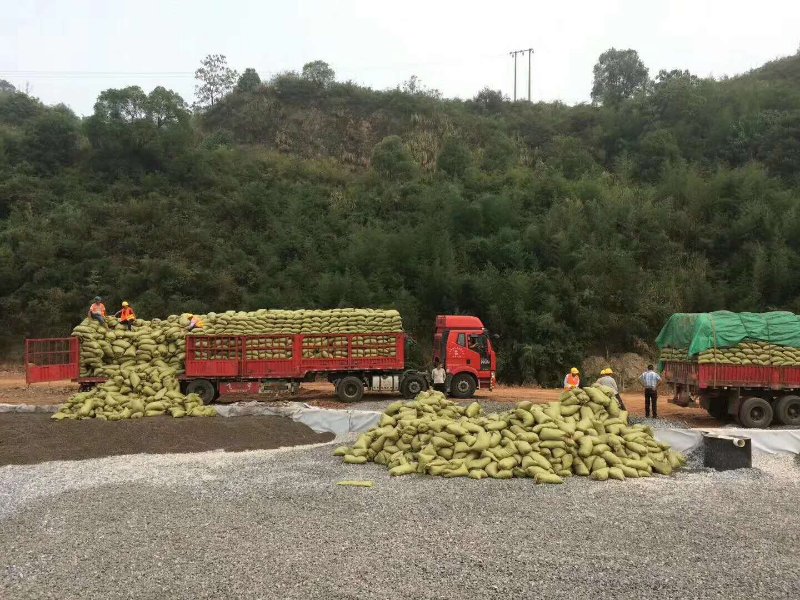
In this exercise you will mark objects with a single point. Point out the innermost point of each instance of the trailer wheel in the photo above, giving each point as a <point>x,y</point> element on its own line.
<point>463,385</point>
<point>413,384</point>
<point>755,412</point>
<point>788,410</point>
<point>350,389</point>
<point>203,388</point>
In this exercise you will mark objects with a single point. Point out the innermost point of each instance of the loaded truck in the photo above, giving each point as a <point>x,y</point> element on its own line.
<point>741,366</point>
<point>224,367</point>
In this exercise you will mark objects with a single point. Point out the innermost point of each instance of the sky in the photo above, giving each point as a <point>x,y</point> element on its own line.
<point>69,51</point>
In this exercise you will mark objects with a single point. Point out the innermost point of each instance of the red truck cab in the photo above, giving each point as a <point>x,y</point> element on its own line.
<point>464,347</point>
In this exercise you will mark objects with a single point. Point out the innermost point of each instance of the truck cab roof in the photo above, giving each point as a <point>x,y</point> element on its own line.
<point>458,322</point>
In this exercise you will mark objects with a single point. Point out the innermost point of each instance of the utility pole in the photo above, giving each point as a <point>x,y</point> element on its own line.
<point>530,51</point>
<point>514,54</point>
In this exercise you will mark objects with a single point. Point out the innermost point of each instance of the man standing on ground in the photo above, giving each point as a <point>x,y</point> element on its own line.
<point>650,380</point>
<point>607,379</point>
<point>439,376</point>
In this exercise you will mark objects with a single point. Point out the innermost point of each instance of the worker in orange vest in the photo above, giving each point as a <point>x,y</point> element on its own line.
<point>573,379</point>
<point>195,322</point>
<point>97,311</point>
<point>126,315</point>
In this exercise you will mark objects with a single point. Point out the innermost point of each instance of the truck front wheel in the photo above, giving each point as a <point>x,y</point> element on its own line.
<point>412,385</point>
<point>350,389</point>
<point>755,413</point>
<point>788,410</point>
<point>463,385</point>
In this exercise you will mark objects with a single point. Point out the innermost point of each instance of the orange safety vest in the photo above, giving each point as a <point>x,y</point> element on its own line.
<point>573,381</point>
<point>197,322</point>
<point>127,314</point>
<point>98,307</point>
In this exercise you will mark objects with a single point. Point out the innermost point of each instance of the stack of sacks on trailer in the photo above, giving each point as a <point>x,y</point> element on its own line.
<point>139,364</point>
<point>585,433</point>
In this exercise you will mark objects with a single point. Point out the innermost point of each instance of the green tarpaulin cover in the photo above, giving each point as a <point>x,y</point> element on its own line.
<point>723,329</point>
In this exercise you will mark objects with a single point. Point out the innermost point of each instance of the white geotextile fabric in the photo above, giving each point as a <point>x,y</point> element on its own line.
<point>763,441</point>
<point>28,408</point>
<point>321,420</point>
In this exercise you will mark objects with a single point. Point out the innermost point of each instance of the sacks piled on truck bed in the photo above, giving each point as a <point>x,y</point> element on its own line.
<point>337,320</point>
<point>762,354</point>
<point>104,352</point>
<point>162,342</point>
<point>584,433</point>
<point>764,339</point>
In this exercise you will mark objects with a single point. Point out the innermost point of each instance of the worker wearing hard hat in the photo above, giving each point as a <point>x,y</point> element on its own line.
<point>607,379</point>
<point>195,322</point>
<point>126,315</point>
<point>573,379</point>
<point>97,311</point>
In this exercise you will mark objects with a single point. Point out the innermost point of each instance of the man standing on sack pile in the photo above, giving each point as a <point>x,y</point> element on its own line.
<point>607,379</point>
<point>573,379</point>
<point>650,380</point>
<point>126,315</point>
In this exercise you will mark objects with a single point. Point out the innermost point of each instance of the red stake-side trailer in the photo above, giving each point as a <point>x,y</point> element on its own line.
<point>225,365</point>
<point>753,394</point>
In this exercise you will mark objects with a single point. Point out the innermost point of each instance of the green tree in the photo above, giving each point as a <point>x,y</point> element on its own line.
<point>216,79</point>
<point>249,81</point>
<point>319,72</point>
<point>50,141</point>
<point>122,105</point>
<point>490,100</point>
<point>454,158</point>
<point>165,107</point>
<point>6,87</point>
<point>618,75</point>
<point>391,159</point>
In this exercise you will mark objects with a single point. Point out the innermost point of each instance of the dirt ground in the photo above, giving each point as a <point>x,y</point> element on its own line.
<point>14,391</point>
<point>27,438</point>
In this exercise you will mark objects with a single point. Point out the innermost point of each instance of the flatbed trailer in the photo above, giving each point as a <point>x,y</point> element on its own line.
<point>754,395</point>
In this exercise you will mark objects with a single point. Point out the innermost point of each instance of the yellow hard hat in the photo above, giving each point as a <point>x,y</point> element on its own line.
<point>607,371</point>
<point>574,371</point>
<point>125,303</point>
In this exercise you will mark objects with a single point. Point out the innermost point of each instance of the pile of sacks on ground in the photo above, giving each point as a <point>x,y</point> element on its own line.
<point>584,433</point>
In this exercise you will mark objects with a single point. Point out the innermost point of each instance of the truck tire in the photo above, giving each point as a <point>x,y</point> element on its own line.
<point>350,389</point>
<point>755,413</point>
<point>463,385</point>
<point>413,384</point>
<point>787,410</point>
<point>203,388</point>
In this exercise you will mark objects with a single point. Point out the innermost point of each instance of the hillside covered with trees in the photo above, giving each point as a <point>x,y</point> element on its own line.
<point>568,229</point>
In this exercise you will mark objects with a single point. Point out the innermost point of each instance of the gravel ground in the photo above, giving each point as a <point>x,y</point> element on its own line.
<point>273,524</point>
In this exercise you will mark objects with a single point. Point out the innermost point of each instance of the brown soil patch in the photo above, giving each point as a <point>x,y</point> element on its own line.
<point>33,438</point>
